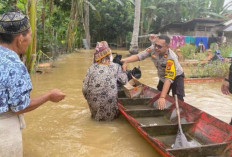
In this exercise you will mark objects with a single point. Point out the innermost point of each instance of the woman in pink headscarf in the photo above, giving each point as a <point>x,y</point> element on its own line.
<point>100,84</point>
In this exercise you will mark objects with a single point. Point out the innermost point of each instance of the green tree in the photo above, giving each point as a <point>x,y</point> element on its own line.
<point>116,21</point>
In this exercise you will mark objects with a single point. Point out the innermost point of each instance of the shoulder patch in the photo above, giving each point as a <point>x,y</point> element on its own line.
<point>170,70</point>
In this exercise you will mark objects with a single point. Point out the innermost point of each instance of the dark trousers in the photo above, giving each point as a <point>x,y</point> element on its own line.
<point>230,122</point>
<point>177,87</point>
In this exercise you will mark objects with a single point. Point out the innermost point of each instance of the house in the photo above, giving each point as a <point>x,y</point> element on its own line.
<point>227,30</point>
<point>195,27</point>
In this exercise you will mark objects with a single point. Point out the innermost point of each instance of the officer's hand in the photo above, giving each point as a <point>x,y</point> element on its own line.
<point>161,103</point>
<point>124,65</point>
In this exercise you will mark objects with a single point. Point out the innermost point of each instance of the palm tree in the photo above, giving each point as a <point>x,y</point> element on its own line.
<point>86,23</point>
<point>72,26</point>
<point>134,41</point>
<point>85,19</point>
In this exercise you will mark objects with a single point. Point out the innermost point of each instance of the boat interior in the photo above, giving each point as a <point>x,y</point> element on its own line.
<point>205,134</point>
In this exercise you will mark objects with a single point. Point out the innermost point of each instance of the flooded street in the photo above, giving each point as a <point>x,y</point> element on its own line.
<point>65,129</point>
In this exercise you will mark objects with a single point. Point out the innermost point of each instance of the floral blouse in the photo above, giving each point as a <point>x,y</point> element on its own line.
<point>100,89</point>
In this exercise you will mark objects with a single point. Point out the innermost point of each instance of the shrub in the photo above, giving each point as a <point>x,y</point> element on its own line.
<point>188,51</point>
<point>212,69</point>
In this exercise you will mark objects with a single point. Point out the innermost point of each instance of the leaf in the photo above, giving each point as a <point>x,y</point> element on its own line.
<point>225,8</point>
<point>228,5</point>
<point>23,1</point>
<point>152,7</point>
<point>120,2</point>
<point>132,1</point>
<point>213,14</point>
<point>97,15</point>
<point>91,5</point>
<point>96,12</point>
<point>20,6</point>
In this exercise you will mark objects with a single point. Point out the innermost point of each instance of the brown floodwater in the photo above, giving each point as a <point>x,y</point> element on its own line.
<point>65,129</point>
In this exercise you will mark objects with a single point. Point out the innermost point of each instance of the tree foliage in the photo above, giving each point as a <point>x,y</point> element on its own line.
<point>110,20</point>
<point>116,20</point>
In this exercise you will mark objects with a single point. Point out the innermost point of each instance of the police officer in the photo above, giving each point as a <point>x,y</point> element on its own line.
<point>170,72</point>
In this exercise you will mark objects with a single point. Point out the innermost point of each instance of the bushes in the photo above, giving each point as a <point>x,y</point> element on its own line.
<point>226,49</point>
<point>212,69</point>
<point>188,51</point>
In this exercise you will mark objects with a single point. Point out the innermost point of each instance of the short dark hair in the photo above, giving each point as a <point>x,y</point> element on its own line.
<point>164,37</point>
<point>8,38</point>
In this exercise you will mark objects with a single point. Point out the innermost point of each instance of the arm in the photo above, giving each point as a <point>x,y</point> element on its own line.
<point>86,83</point>
<point>140,56</point>
<point>54,95</point>
<point>161,100</point>
<point>122,76</point>
<point>130,59</point>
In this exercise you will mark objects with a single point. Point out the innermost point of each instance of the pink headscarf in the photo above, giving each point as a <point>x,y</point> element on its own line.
<point>102,53</point>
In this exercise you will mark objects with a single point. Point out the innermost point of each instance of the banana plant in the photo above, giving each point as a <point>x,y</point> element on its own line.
<point>31,51</point>
<point>134,41</point>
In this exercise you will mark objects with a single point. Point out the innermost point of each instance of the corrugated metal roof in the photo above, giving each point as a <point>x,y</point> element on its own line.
<point>228,29</point>
<point>192,23</point>
<point>228,22</point>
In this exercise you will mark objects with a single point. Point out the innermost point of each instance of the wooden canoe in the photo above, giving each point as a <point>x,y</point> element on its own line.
<point>209,135</point>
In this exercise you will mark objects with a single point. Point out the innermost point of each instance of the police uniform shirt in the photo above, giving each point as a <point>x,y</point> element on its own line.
<point>167,65</point>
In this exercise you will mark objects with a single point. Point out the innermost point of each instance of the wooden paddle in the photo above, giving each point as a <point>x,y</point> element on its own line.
<point>181,140</point>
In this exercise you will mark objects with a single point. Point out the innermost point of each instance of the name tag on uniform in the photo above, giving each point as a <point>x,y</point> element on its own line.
<point>170,70</point>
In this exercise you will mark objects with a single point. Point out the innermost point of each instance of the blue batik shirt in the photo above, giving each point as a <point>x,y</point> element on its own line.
<point>15,82</point>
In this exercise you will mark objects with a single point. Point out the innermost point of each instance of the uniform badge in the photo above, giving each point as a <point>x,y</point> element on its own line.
<point>169,65</point>
<point>170,70</point>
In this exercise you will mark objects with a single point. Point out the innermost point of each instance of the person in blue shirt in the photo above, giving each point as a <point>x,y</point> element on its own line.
<point>217,56</point>
<point>15,83</point>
